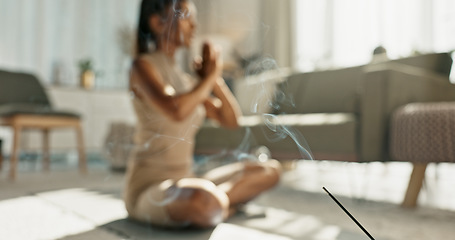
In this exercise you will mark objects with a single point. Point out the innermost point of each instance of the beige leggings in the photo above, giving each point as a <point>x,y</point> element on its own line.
<point>151,204</point>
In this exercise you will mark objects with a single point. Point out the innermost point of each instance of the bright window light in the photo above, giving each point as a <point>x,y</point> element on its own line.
<point>331,34</point>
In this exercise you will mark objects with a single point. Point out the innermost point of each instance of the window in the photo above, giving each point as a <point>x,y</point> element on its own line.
<point>49,38</point>
<point>339,33</point>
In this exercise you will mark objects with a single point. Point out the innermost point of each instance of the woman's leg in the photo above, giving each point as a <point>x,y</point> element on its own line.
<point>189,201</point>
<point>200,202</point>
<point>244,181</point>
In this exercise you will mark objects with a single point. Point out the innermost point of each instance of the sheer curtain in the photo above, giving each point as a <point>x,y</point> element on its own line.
<point>42,36</point>
<point>337,33</point>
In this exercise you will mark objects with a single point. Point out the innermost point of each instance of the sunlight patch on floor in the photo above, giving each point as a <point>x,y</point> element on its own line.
<point>226,231</point>
<point>375,181</point>
<point>97,207</point>
<point>287,223</point>
<point>52,215</point>
<point>35,218</point>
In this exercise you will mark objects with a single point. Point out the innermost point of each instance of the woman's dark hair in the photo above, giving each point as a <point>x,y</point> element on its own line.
<point>145,36</point>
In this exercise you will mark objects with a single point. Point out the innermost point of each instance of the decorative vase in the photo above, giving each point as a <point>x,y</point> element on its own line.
<point>87,79</point>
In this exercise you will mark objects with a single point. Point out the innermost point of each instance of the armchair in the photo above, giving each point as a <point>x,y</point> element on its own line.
<point>24,104</point>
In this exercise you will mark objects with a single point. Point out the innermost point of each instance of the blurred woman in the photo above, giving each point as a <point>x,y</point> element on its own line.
<point>161,187</point>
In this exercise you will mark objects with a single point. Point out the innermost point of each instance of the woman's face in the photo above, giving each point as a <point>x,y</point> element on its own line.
<point>181,24</point>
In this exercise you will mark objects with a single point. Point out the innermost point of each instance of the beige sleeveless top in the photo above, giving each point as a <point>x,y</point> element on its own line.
<point>163,147</point>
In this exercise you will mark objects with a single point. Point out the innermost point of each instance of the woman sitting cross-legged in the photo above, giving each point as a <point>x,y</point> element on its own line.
<point>161,187</point>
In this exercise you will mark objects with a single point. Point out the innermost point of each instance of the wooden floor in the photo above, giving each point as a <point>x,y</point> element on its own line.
<point>62,204</point>
<point>385,182</point>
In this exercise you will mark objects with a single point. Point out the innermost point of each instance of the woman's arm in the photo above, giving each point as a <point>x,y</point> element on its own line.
<point>150,87</point>
<point>223,107</point>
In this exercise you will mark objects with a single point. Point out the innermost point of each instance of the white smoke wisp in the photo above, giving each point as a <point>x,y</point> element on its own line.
<point>274,97</point>
<point>282,132</point>
<point>241,153</point>
<point>267,96</point>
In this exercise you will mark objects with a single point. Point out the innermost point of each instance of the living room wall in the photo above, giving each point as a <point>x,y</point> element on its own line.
<point>261,27</point>
<point>50,37</point>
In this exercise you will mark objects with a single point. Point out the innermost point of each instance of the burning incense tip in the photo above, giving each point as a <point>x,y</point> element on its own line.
<point>349,214</point>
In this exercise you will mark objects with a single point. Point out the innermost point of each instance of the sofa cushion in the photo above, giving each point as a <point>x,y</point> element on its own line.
<point>9,110</point>
<point>296,119</point>
<point>330,91</point>
<point>440,63</point>
<point>287,136</point>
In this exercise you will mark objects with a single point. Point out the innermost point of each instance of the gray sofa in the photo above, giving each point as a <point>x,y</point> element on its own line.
<point>340,114</point>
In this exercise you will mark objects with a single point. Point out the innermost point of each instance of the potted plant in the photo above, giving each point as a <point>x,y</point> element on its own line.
<point>87,73</point>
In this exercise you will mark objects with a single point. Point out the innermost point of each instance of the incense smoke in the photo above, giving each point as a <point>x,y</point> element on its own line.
<point>273,97</point>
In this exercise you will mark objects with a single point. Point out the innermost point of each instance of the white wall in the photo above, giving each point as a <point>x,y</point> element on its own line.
<point>237,20</point>
<point>253,26</point>
<point>279,42</point>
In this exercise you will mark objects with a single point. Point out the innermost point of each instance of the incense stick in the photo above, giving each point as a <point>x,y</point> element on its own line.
<point>349,214</point>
